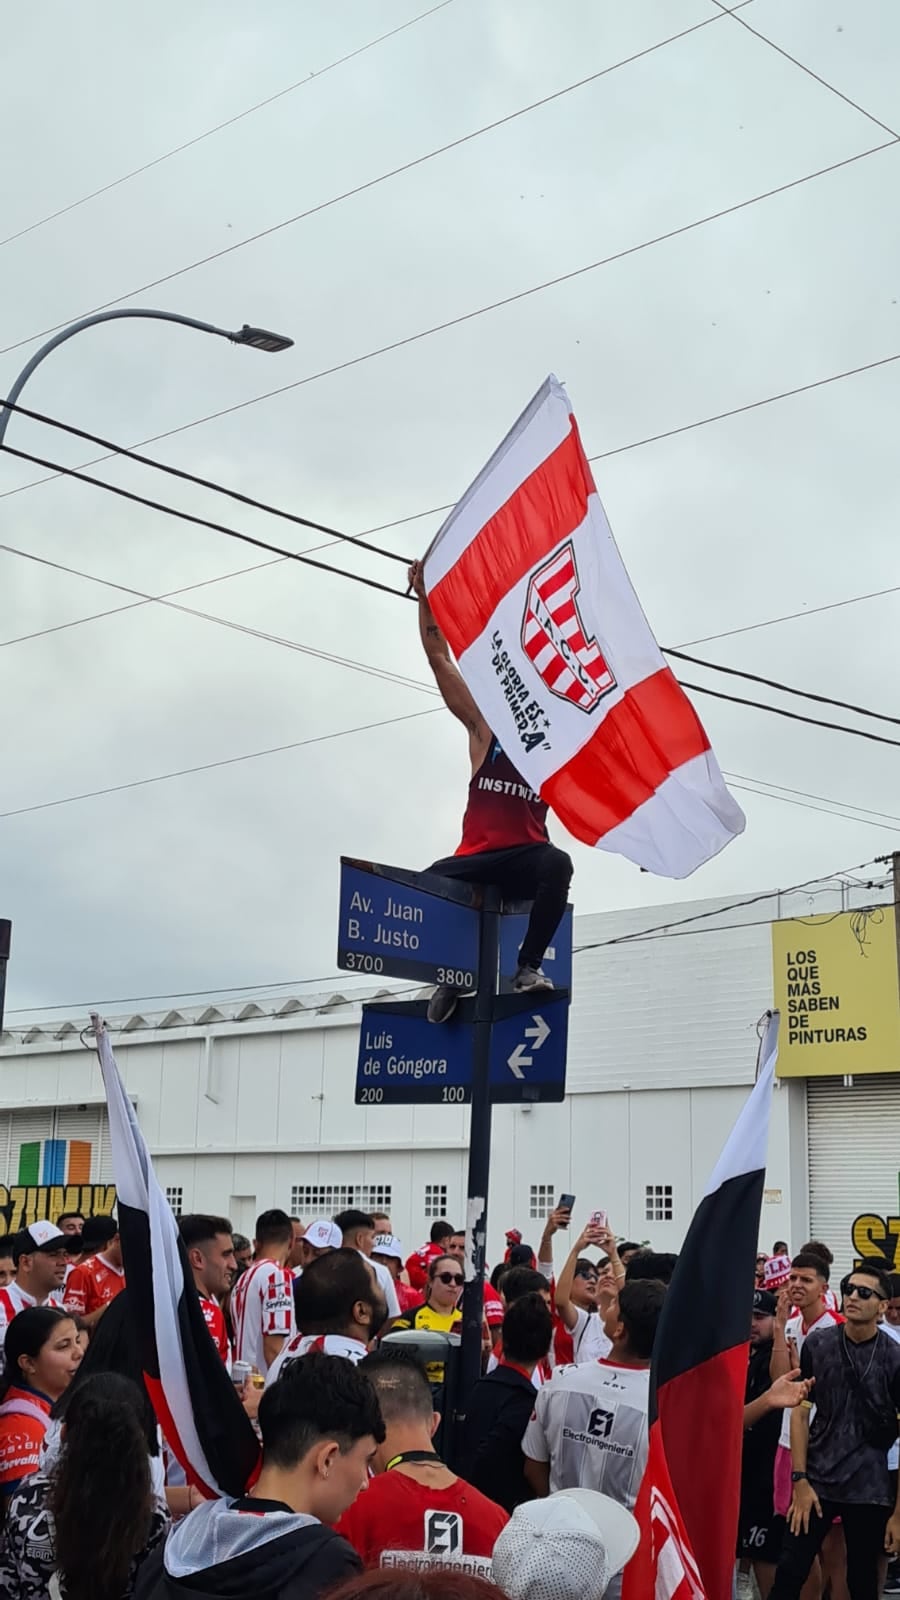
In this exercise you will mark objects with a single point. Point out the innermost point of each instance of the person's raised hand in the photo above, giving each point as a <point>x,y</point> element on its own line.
<point>782,1309</point>
<point>416,579</point>
<point>559,1217</point>
<point>789,1390</point>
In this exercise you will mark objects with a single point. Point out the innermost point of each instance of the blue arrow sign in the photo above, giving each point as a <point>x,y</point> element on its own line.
<point>407,925</point>
<point>557,962</point>
<point>528,1050</point>
<point>405,1060</point>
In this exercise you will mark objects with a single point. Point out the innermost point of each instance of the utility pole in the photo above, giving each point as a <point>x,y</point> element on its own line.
<point>5,942</point>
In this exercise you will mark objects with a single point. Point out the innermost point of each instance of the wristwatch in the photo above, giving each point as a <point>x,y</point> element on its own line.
<point>799,1477</point>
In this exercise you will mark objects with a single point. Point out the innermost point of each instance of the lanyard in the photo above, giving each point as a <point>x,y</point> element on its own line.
<point>427,1457</point>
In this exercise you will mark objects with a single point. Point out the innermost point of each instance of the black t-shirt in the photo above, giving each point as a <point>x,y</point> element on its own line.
<point>760,1441</point>
<point>857,1398</point>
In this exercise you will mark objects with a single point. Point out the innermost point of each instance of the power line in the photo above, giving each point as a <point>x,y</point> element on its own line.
<point>229,122</point>
<point>259,566</point>
<point>721,911</point>
<point>807,805</point>
<point>336,536</point>
<point>240,990</point>
<point>208,766</point>
<point>371,183</point>
<point>887,816</point>
<point>823,82</point>
<point>783,688</point>
<point>386,589</point>
<point>794,716</point>
<point>512,299</point>
<point>200,522</point>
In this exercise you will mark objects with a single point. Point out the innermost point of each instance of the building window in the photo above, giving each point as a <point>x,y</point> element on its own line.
<point>175,1197</point>
<point>541,1201</point>
<point>311,1200</point>
<point>658,1202</point>
<point>435,1201</point>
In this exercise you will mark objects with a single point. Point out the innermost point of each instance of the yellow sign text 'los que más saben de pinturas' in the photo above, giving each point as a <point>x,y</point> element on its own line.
<point>836,986</point>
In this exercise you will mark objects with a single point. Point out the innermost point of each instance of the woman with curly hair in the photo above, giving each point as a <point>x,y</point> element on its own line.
<point>82,1531</point>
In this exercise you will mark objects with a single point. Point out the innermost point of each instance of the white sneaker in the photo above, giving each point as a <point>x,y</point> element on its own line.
<point>531,980</point>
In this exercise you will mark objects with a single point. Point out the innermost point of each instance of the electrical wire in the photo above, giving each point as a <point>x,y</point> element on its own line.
<point>259,566</point>
<point>823,82</point>
<point>372,183</point>
<point>200,522</point>
<point>740,777</point>
<point>721,911</point>
<point>807,805</point>
<point>226,761</point>
<point>794,716</point>
<point>229,122</point>
<point>783,688</point>
<point>335,534</point>
<point>386,589</point>
<point>240,991</point>
<point>511,299</point>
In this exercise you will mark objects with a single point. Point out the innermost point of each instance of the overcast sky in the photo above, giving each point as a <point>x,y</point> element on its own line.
<point>229,877</point>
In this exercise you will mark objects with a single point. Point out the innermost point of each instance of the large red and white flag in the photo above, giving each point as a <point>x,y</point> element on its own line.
<point>529,588</point>
<point>196,1405</point>
<point>688,1502</point>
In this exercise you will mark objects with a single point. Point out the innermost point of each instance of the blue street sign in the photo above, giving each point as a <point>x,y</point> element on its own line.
<point>557,962</point>
<point>528,1050</point>
<point>406,1060</point>
<point>407,925</point>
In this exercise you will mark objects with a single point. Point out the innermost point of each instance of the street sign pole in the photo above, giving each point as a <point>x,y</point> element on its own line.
<point>479,1150</point>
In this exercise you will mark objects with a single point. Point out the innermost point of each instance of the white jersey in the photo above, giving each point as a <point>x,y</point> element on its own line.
<point>14,1299</point>
<point>589,1340</point>
<point>333,1344</point>
<point>386,1283</point>
<point>262,1305</point>
<point>796,1338</point>
<point>590,1423</point>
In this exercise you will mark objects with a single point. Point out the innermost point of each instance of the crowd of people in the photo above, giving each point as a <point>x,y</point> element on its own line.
<point>373,1480</point>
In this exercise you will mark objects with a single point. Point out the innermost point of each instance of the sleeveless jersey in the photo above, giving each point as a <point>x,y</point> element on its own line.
<point>502,810</point>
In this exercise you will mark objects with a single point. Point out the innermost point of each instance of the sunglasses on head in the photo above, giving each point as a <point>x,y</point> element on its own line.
<point>863,1291</point>
<point>449,1277</point>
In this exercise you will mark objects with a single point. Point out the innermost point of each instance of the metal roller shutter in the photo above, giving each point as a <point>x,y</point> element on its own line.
<point>854,1156</point>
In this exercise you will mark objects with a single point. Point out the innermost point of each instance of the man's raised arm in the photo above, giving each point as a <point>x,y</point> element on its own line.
<point>456,695</point>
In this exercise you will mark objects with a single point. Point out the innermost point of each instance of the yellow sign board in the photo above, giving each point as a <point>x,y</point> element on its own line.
<point>836,987</point>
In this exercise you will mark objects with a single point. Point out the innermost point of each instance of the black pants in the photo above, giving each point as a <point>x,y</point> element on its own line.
<point>864,1527</point>
<point>537,872</point>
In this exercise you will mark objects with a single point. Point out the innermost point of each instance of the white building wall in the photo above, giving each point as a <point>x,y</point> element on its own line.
<point>662,1052</point>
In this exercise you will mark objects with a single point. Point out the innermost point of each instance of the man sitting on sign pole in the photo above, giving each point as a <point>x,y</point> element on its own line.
<point>504,840</point>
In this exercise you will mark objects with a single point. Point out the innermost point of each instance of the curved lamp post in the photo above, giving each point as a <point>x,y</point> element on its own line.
<point>256,338</point>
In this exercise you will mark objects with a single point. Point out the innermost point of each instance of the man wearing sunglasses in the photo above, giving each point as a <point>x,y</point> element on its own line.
<point>839,1444</point>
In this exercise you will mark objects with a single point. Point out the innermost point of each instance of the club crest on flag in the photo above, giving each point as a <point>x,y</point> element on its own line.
<point>553,635</point>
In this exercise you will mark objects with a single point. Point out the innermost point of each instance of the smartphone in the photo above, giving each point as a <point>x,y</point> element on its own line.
<point>566,1202</point>
<point>599,1219</point>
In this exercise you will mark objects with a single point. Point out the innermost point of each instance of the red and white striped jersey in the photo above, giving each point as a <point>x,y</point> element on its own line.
<point>262,1305</point>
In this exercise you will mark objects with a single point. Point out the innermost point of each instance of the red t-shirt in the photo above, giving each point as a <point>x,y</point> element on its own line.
<point>418,1263</point>
<point>21,1435</point>
<point>406,1296</point>
<point>92,1285</point>
<point>399,1522</point>
<point>214,1317</point>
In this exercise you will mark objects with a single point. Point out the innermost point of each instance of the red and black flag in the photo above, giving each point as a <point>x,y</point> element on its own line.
<point>688,1502</point>
<point>204,1423</point>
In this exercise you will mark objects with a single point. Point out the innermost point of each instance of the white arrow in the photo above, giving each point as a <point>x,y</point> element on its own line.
<point>540,1033</point>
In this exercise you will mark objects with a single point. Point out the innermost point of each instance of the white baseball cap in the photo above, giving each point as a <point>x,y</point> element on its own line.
<point>323,1235</point>
<point>387,1244</point>
<point>566,1547</point>
<point>44,1235</point>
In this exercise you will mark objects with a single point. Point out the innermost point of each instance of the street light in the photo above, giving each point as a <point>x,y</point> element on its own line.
<point>256,338</point>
